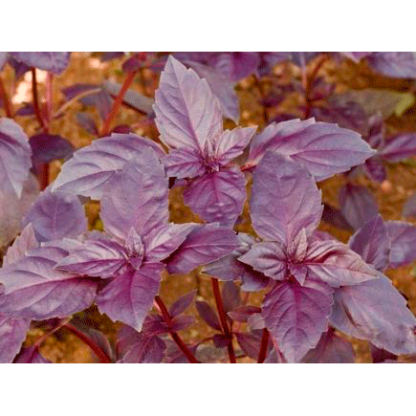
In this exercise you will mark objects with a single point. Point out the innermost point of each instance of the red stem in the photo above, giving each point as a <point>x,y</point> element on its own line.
<point>223,319</point>
<point>178,340</point>
<point>44,176</point>
<point>49,98</point>
<point>43,338</point>
<point>247,168</point>
<point>309,83</point>
<point>117,103</point>
<point>103,357</point>
<point>6,102</point>
<point>36,99</point>
<point>263,346</point>
<point>44,122</point>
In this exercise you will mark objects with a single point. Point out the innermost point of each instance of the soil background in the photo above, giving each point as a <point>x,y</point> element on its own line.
<point>87,68</point>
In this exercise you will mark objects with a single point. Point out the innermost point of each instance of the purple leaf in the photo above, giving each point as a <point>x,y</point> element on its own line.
<point>230,296</point>
<point>218,196</point>
<point>35,289</point>
<point>333,216</point>
<point>303,58</point>
<point>221,87</point>
<point>26,110</point>
<point>182,304</point>
<point>135,249</point>
<point>208,315</point>
<point>132,98</point>
<point>31,355</point>
<point>331,349</point>
<point>174,354</point>
<point>268,258</point>
<point>25,242</point>
<point>322,148</point>
<point>91,167</point>
<point>283,200</point>
<point>394,64</point>
<point>403,243</point>
<point>242,313</point>
<point>101,100</point>
<point>129,296</point>
<point>55,216</point>
<point>86,121</point>
<point>399,147</point>
<point>47,147</point>
<point>205,58</point>
<point>378,355</point>
<point>96,257</point>
<point>355,56</point>
<point>187,113</point>
<point>274,356</point>
<point>19,67</point>
<point>232,143</point>
<point>250,343</point>
<point>376,131</point>
<point>409,207</point>
<point>348,115</point>
<point>326,260</point>
<point>375,169</point>
<point>269,59</point>
<point>12,209</point>
<point>138,347</point>
<point>78,89</point>
<point>162,241</point>
<point>357,205</point>
<point>375,311</point>
<point>97,97</point>
<point>230,268</point>
<point>184,163</point>
<point>12,334</point>
<point>203,245</point>
<point>372,243</point>
<point>275,132</point>
<point>237,65</point>
<point>220,341</point>
<point>256,321</point>
<point>136,197</point>
<point>15,157</point>
<point>55,62</point>
<point>337,265</point>
<point>97,336</point>
<point>296,316</point>
<point>109,56</point>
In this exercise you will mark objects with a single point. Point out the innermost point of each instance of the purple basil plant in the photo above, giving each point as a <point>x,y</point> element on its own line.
<point>316,293</point>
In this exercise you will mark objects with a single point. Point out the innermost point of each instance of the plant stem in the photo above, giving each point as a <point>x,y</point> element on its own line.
<point>6,102</point>
<point>43,338</point>
<point>44,174</point>
<point>309,82</point>
<point>223,319</point>
<point>36,99</point>
<point>103,357</point>
<point>49,99</point>
<point>247,168</point>
<point>117,103</point>
<point>263,346</point>
<point>61,110</point>
<point>178,340</point>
